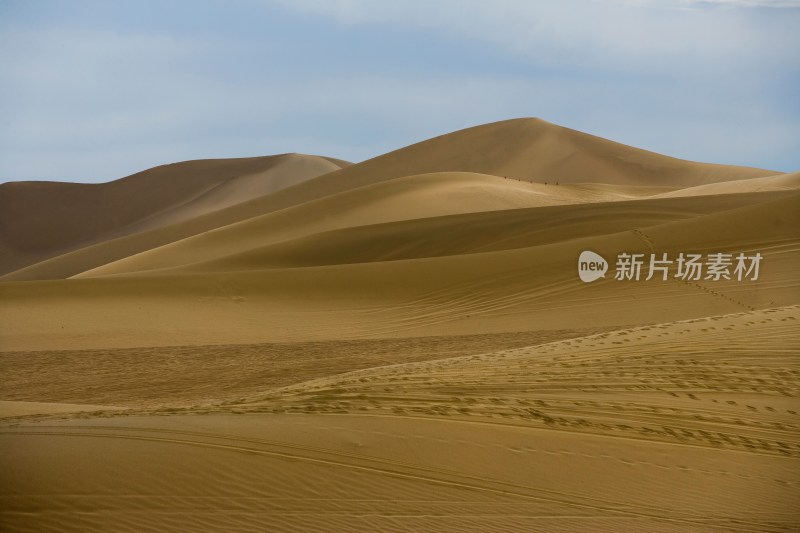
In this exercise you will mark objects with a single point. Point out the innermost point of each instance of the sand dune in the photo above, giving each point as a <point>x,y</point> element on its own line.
<point>535,150</point>
<point>511,290</point>
<point>401,344</point>
<point>779,182</point>
<point>39,220</point>
<point>475,232</point>
<point>235,229</point>
<point>524,149</point>
<point>284,171</point>
<point>400,199</point>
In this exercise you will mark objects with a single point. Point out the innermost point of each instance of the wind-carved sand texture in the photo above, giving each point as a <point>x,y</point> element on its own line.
<point>294,343</point>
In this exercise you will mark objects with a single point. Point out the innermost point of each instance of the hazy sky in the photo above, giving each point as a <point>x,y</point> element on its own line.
<point>96,90</point>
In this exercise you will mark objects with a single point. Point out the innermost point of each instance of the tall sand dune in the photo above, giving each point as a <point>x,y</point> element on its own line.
<point>524,149</point>
<point>532,149</point>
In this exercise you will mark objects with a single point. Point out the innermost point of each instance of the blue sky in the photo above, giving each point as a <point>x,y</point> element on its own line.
<point>96,90</point>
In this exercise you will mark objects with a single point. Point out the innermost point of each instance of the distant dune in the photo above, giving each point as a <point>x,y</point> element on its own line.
<point>778,182</point>
<point>292,343</point>
<point>533,149</point>
<point>39,220</point>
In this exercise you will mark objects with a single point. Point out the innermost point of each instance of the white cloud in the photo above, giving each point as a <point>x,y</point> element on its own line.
<point>778,4</point>
<point>649,35</point>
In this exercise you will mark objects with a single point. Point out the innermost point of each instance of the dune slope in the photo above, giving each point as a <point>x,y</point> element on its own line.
<point>39,220</point>
<point>535,150</point>
<point>522,289</point>
<point>452,235</point>
<point>398,200</point>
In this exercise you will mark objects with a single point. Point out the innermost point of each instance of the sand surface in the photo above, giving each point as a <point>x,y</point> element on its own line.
<point>12,409</point>
<point>292,343</point>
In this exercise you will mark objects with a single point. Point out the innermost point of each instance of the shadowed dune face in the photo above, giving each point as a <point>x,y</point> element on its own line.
<point>403,344</point>
<point>43,219</point>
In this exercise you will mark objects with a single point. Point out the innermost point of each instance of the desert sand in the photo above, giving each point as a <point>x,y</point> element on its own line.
<point>297,343</point>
